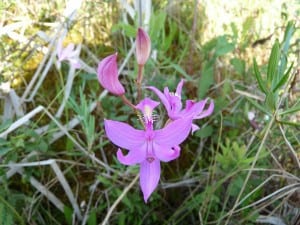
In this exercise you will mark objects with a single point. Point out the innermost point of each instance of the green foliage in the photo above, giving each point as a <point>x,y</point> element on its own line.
<point>6,216</point>
<point>233,157</point>
<point>239,65</point>
<point>68,212</point>
<point>214,49</point>
<point>86,118</point>
<point>277,74</point>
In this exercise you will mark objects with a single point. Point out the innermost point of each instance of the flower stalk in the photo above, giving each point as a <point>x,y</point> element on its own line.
<point>139,82</point>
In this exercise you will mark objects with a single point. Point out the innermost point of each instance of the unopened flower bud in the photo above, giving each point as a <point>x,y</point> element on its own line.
<point>108,75</point>
<point>143,46</point>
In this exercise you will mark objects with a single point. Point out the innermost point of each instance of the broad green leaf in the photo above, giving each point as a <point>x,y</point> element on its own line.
<point>204,132</point>
<point>261,83</point>
<point>209,46</point>
<point>223,46</point>
<point>272,71</point>
<point>239,65</point>
<point>5,150</point>
<point>5,125</point>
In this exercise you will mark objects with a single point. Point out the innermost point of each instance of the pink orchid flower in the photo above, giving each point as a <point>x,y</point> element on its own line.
<point>173,105</point>
<point>108,75</point>
<point>68,54</point>
<point>148,147</point>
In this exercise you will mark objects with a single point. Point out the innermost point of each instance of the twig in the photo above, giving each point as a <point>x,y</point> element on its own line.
<point>295,157</point>
<point>119,199</point>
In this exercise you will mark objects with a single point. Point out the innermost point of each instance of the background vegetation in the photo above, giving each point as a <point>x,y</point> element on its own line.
<point>241,167</point>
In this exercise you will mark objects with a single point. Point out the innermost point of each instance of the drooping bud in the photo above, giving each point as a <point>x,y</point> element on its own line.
<point>143,46</point>
<point>108,75</point>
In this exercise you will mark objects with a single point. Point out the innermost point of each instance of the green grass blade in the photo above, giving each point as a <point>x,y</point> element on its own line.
<point>261,83</point>
<point>283,79</point>
<point>272,73</point>
<point>295,108</point>
<point>258,106</point>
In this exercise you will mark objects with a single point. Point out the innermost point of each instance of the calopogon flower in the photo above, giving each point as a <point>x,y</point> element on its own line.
<point>107,73</point>
<point>68,53</point>
<point>173,105</point>
<point>148,147</point>
<point>143,46</point>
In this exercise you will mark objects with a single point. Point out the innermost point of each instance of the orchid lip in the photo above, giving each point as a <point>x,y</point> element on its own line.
<point>150,159</point>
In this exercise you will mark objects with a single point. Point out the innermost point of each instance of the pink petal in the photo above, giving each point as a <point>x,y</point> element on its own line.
<point>75,63</point>
<point>174,102</point>
<point>108,75</point>
<point>149,177</point>
<point>124,135</point>
<point>179,88</point>
<point>206,112</point>
<point>161,96</point>
<point>143,46</point>
<point>147,104</point>
<point>174,133</point>
<point>175,107</point>
<point>133,156</point>
<point>67,52</point>
<point>193,108</point>
<point>166,154</point>
<point>195,128</point>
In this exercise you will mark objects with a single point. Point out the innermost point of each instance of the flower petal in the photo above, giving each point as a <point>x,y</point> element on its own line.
<point>175,107</point>
<point>75,63</point>
<point>124,135</point>
<point>179,88</point>
<point>66,52</point>
<point>161,96</point>
<point>193,108</point>
<point>143,46</point>
<point>174,133</point>
<point>166,154</point>
<point>149,177</point>
<point>133,156</point>
<point>107,73</point>
<point>206,112</point>
<point>195,128</point>
<point>146,106</point>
